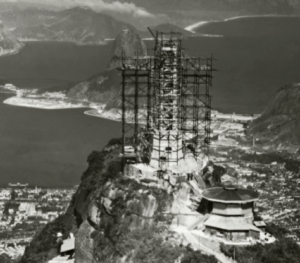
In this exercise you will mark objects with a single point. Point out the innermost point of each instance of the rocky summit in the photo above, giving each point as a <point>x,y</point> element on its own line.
<point>8,43</point>
<point>118,217</point>
<point>280,121</point>
<point>127,44</point>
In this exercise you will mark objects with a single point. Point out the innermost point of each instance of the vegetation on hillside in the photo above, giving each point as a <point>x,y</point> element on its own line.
<point>282,251</point>
<point>268,158</point>
<point>44,242</point>
<point>121,232</point>
<point>280,120</point>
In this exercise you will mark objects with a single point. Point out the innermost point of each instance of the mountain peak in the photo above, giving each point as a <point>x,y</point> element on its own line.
<point>81,8</point>
<point>280,121</point>
<point>127,44</point>
<point>8,43</point>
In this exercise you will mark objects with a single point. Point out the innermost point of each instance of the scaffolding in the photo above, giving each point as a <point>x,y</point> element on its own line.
<point>136,101</point>
<point>196,104</point>
<point>167,86</point>
<point>166,103</point>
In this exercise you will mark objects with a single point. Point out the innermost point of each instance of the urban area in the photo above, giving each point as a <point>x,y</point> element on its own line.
<point>24,210</point>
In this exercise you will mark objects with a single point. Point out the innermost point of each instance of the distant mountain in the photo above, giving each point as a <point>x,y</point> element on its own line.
<point>78,25</point>
<point>280,121</point>
<point>127,44</point>
<point>279,6</point>
<point>101,88</point>
<point>8,43</point>
<point>187,12</point>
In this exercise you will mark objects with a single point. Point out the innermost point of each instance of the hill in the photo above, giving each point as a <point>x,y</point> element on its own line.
<point>8,43</point>
<point>116,218</point>
<point>127,44</point>
<point>78,25</point>
<point>187,12</point>
<point>280,121</point>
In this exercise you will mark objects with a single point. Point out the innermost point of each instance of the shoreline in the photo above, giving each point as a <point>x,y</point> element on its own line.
<point>39,104</point>
<point>62,41</point>
<point>94,111</point>
<point>199,24</point>
<point>13,52</point>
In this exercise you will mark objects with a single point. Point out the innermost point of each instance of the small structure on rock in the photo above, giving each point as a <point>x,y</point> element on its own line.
<point>66,250</point>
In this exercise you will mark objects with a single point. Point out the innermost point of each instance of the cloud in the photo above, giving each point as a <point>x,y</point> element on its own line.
<point>96,5</point>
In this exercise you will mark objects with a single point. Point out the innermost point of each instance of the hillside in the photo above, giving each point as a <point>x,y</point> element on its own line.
<point>122,218</point>
<point>8,43</point>
<point>78,25</point>
<point>280,121</point>
<point>127,44</point>
<point>117,219</point>
<point>187,12</point>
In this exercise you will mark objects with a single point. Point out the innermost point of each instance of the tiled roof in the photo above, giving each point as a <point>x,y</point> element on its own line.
<point>229,194</point>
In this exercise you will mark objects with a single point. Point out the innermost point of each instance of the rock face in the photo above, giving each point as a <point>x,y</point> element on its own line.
<point>8,43</point>
<point>127,44</point>
<point>84,243</point>
<point>118,219</point>
<point>280,121</point>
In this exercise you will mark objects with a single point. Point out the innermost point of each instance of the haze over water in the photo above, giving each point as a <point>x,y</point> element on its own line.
<point>255,58</point>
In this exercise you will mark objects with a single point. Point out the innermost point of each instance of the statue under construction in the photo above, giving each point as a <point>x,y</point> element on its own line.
<point>166,110</point>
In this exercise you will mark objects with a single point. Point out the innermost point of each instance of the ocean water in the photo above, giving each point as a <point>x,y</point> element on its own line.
<point>255,57</point>
<point>43,147</point>
<point>51,147</point>
<point>45,64</point>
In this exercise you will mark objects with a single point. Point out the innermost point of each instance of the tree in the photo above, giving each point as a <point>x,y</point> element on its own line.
<point>13,194</point>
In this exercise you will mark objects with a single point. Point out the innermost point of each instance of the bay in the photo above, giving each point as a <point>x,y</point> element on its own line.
<point>50,148</point>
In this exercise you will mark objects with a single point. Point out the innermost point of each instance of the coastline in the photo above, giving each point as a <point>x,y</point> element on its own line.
<point>96,111</point>
<point>103,115</point>
<point>46,104</point>
<point>14,52</point>
<point>60,105</point>
<point>62,41</point>
<point>199,24</point>
<point>41,104</point>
